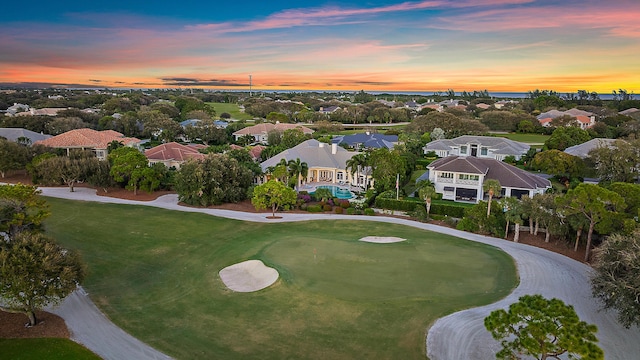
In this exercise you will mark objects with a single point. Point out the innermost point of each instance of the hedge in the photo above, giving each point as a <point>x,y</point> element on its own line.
<point>453,210</point>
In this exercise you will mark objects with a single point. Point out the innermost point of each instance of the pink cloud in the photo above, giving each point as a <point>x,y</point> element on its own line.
<point>611,21</point>
<point>333,15</point>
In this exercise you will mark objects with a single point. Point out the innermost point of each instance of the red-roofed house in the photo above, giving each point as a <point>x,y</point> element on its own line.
<point>173,154</point>
<point>88,139</point>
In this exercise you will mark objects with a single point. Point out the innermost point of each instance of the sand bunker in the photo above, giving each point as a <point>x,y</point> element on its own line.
<point>382,239</point>
<point>248,276</point>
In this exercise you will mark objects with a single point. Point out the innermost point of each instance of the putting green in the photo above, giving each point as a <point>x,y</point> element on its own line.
<point>353,270</point>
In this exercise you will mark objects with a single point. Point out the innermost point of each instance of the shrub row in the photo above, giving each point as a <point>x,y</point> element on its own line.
<point>452,210</point>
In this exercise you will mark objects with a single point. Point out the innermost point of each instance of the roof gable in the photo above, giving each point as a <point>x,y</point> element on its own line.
<point>173,151</point>
<point>87,138</point>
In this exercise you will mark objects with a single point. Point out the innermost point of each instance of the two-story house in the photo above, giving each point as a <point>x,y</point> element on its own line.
<point>478,146</point>
<point>461,178</point>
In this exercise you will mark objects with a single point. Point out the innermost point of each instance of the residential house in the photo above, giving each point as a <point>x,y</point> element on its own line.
<point>461,178</point>
<point>582,150</point>
<point>173,154</point>
<point>260,132</point>
<point>478,146</point>
<point>329,109</point>
<point>21,135</point>
<point>584,119</point>
<point>327,163</point>
<point>367,140</point>
<point>88,139</point>
<point>41,112</point>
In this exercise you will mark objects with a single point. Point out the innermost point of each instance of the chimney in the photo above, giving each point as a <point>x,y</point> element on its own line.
<point>334,148</point>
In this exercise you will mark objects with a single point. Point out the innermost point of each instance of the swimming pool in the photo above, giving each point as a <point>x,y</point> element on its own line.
<point>336,191</point>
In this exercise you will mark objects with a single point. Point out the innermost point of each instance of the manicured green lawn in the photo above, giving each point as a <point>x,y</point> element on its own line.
<point>45,348</point>
<point>231,109</point>
<point>535,139</point>
<point>155,273</point>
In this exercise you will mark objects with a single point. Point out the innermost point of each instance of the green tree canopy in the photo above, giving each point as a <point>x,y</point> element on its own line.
<point>386,166</point>
<point>556,162</point>
<point>566,136</point>
<point>620,163</point>
<point>21,209</point>
<point>542,328</point>
<point>124,162</point>
<point>616,281</point>
<point>215,180</point>
<point>36,272</point>
<point>273,194</point>
<point>13,156</point>
<point>597,204</point>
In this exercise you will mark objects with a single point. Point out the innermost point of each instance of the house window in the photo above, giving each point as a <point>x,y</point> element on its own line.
<point>446,175</point>
<point>469,177</point>
<point>463,149</point>
<point>484,151</point>
<point>340,176</point>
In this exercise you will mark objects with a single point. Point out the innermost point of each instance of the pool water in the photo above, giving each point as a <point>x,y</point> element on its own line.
<point>336,191</point>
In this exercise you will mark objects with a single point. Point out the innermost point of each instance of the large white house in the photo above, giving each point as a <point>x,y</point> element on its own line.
<point>461,178</point>
<point>327,163</point>
<point>478,146</point>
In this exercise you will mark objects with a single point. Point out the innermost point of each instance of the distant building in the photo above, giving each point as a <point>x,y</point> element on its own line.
<point>582,150</point>
<point>173,154</point>
<point>21,135</point>
<point>88,139</point>
<point>367,140</point>
<point>478,146</point>
<point>260,132</point>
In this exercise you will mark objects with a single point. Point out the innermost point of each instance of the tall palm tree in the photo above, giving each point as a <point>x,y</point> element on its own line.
<point>513,212</point>
<point>298,169</point>
<point>356,164</point>
<point>427,192</point>
<point>492,187</point>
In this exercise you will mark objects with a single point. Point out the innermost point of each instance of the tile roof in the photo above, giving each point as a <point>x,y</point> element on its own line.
<point>315,154</point>
<point>497,145</point>
<point>582,150</point>
<point>371,140</point>
<point>14,133</point>
<point>264,128</point>
<point>507,175</point>
<point>87,138</point>
<point>173,151</point>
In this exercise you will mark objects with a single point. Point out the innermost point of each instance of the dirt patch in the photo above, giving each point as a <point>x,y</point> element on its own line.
<point>12,326</point>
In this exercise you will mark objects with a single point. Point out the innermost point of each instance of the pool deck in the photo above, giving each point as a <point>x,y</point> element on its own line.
<point>311,187</point>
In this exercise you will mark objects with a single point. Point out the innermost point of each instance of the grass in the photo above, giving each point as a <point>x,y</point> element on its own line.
<point>44,348</point>
<point>532,139</point>
<point>155,273</point>
<point>231,109</point>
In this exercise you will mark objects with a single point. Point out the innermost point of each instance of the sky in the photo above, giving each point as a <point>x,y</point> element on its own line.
<point>377,45</point>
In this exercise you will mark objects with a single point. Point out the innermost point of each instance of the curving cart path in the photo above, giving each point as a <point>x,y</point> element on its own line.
<point>457,336</point>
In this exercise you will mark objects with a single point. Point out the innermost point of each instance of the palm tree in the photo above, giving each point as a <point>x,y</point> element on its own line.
<point>298,169</point>
<point>513,212</point>
<point>356,164</point>
<point>426,192</point>
<point>491,186</point>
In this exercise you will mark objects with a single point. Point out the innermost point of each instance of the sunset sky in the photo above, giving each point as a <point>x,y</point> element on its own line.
<point>376,45</point>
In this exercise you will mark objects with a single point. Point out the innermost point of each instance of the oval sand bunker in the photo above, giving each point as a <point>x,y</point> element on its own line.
<point>382,239</point>
<point>248,276</point>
